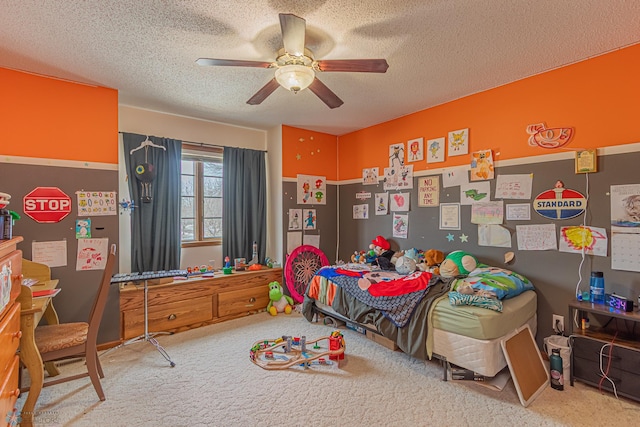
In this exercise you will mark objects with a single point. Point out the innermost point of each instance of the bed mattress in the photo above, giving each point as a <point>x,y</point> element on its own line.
<point>483,324</point>
<point>482,356</point>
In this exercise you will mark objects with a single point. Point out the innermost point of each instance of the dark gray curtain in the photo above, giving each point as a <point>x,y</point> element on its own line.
<point>244,214</point>
<point>155,224</point>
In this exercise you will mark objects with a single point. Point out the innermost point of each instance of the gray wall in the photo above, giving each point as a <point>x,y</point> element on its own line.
<point>79,288</point>
<point>553,273</point>
<point>326,218</point>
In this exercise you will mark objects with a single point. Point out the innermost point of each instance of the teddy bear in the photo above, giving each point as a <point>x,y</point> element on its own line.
<point>278,301</point>
<point>431,260</point>
<point>458,263</point>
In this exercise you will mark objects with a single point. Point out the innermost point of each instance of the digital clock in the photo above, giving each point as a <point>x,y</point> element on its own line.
<point>620,303</point>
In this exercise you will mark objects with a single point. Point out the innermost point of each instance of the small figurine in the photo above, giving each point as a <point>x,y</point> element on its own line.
<point>227,261</point>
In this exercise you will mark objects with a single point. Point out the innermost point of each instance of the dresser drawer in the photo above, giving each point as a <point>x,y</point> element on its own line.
<point>165,317</point>
<point>9,336</point>
<point>627,383</point>
<point>9,388</point>
<point>622,358</point>
<point>243,301</point>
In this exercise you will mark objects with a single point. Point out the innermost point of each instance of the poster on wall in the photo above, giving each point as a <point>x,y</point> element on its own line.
<point>429,191</point>
<point>96,203</point>
<point>398,178</point>
<point>450,216</point>
<point>518,212</point>
<point>400,202</point>
<point>517,186</point>
<point>537,237</point>
<point>309,219</point>
<point>83,228</point>
<point>435,150</point>
<point>458,142</point>
<point>474,192</point>
<point>625,227</point>
<point>494,235</point>
<point>489,212</point>
<point>625,208</point>
<point>482,165</point>
<point>294,239</point>
<point>295,219</point>
<point>361,211</point>
<point>416,150</point>
<point>591,240</point>
<point>452,177</point>
<point>382,203</point>
<point>369,176</point>
<point>312,190</point>
<point>52,253</point>
<point>400,226</point>
<point>92,254</point>
<point>396,155</point>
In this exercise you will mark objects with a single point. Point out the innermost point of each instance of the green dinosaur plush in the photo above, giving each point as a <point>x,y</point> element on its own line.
<point>279,302</point>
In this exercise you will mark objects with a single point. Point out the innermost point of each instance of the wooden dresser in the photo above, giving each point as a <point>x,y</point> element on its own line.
<point>11,263</point>
<point>186,304</point>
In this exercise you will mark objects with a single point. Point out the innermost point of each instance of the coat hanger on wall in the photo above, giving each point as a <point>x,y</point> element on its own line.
<point>147,143</point>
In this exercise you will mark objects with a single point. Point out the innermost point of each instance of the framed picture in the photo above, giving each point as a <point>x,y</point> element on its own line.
<point>586,161</point>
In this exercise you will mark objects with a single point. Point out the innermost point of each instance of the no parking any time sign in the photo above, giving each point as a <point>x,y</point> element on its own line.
<point>47,204</point>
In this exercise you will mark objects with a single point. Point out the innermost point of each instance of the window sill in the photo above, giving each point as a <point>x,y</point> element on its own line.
<point>195,244</point>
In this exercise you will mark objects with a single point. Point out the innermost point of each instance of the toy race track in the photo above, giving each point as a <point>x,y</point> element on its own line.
<point>285,352</point>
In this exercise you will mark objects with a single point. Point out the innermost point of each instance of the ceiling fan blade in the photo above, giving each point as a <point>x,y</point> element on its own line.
<point>354,65</point>
<point>232,63</point>
<point>293,33</point>
<point>262,94</point>
<point>325,94</point>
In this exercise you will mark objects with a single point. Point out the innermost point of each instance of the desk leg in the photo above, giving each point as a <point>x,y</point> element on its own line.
<point>30,357</point>
<point>51,316</point>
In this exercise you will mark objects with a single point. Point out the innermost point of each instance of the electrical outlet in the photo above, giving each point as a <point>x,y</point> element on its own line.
<point>558,323</point>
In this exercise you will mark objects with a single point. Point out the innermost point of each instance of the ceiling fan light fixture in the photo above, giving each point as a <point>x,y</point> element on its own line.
<point>295,77</point>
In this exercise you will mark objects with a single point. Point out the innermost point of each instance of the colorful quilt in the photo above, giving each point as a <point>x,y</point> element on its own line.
<point>395,295</point>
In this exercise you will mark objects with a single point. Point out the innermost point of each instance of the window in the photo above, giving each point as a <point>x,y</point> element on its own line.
<point>201,196</point>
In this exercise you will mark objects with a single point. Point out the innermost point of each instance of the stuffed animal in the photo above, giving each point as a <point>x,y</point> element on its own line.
<point>383,252</point>
<point>278,301</point>
<point>458,263</point>
<point>405,265</point>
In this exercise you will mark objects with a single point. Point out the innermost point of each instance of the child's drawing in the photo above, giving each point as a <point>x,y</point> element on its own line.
<point>458,142</point>
<point>435,150</point>
<point>396,155</point>
<point>416,149</point>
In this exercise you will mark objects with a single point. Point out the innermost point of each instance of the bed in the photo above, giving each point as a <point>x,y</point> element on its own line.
<point>421,320</point>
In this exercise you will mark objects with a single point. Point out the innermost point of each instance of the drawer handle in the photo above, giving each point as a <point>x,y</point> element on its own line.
<point>172,317</point>
<point>252,299</point>
<point>17,334</point>
<point>606,355</point>
<point>15,393</point>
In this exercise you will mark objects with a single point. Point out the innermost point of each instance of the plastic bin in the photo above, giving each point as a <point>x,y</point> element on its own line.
<point>562,343</point>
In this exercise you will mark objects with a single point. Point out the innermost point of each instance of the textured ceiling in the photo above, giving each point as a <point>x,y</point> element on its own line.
<point>437,50</point>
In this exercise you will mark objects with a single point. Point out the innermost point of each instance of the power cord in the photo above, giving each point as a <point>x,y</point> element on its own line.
<point>605,374</point>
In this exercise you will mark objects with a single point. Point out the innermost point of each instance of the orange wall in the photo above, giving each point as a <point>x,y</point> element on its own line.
<point>309,153</point>
<point>597,97</point>
<point>54,119</point>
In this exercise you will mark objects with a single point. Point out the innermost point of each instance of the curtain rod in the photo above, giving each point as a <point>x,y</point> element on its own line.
<point>202,144</point>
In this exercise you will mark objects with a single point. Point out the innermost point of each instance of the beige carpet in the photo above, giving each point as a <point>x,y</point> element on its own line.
<point>215,384</point>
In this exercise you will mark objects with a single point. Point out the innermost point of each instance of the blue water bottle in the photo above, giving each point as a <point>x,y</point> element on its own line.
<point>596,287</point>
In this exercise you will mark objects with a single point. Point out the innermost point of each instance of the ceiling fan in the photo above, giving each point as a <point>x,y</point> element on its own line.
<point>296,67</point>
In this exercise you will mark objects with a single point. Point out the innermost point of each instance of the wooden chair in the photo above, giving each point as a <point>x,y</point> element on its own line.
<point>78,339</point>
<point>42,273</point>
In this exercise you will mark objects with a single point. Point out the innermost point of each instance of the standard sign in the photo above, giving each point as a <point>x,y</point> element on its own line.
<point>560,203</point>
<point>47,204</point>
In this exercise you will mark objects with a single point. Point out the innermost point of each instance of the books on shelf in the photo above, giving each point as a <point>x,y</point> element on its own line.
<point>46,293</point>
<point>29,282</point>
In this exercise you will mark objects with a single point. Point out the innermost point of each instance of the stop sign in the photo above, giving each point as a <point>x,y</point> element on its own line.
<point>47,204</point>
